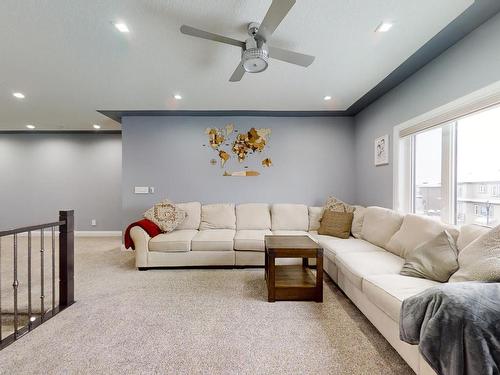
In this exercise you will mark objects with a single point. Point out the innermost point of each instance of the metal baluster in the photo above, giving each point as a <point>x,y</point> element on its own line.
<point>0,289</point>
<point>15,285</point>
<point>53,272</point>
<point>29,280</point>
<point>42,309</point>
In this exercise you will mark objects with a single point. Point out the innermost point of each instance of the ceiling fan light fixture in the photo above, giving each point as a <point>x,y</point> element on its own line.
<point>255,60</point>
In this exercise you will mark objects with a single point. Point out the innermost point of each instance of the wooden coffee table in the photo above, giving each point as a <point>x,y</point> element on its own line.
<point>293,282</point>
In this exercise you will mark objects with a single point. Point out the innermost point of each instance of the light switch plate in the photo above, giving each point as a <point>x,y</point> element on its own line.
<point>152,189</point>
<point>141,190</point>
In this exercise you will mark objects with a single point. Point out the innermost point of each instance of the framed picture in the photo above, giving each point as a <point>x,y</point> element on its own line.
<point>382,150</point>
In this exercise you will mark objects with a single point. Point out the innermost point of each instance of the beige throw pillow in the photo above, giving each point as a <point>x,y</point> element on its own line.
<point>337,224</point>
<point>334,204</point>
<point>435,259</point>
<point>166,215</point>
<point>480,260</point>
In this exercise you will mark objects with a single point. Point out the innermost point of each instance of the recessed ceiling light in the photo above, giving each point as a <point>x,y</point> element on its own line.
<point>328,97</point>
<point>383,27</point>
<point>18,95</point>
<point>123,28</point>
<point>96,126</point>
<point>178,97</point>
<point>29,126</point>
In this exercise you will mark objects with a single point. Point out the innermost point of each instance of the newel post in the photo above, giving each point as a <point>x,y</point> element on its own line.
<point>66,259</point>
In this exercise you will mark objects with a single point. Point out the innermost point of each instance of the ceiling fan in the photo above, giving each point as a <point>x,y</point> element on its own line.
<point>255,52</point>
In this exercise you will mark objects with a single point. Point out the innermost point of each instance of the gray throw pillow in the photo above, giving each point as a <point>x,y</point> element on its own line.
<point>434,260</point>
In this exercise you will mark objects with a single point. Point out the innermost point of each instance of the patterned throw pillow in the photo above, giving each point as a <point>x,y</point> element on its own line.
<point>166,215</point>
<point>336,205</point>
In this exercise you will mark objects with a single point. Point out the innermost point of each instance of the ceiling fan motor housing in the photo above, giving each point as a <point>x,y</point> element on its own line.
<point>255,57</point>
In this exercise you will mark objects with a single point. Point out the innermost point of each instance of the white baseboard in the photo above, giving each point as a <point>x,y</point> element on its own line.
<point>97,233</point>
<point>79,233</point>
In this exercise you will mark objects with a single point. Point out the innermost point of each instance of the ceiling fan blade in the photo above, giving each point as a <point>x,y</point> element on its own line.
<point>188,30</point>
<point>276,13</point>
<point>238,73</point>
<point>290,56</point>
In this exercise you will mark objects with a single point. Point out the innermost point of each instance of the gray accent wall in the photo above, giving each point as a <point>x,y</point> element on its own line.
<point>43,173</point>
<point>312,156</point>
<point>471,64</point>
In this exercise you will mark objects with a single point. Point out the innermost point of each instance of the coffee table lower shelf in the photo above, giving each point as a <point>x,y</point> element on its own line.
<point>294,283</point>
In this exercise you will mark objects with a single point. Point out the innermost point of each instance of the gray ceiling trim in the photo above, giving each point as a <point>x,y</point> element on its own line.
<point>477,14</point>
<point>118,115</point>
<point>473,17</point>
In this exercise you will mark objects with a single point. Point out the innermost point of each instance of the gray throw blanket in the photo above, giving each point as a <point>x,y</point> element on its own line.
<point>456,326</point>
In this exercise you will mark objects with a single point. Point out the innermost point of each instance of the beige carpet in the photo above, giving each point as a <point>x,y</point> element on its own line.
<point>194,322</point>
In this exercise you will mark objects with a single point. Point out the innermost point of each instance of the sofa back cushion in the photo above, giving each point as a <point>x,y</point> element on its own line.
<point>379,225</point>
<point>469,233</point>
<point>253,216</point>
<point>415,231</point>
<point>315,215</point>
<point>289,217</point>
<point>218,216</point>
<point>193,215</point>
<point>357,221</point>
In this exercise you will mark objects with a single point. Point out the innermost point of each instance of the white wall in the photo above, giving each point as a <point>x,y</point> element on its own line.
<point>469,65</point>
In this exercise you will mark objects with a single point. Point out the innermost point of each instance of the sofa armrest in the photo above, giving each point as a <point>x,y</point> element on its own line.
<point>141,243</point>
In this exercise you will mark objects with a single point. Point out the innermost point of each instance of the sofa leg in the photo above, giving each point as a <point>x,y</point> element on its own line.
<point>142,268</point>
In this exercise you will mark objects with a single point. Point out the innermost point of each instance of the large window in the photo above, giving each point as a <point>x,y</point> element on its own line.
<point>454,170</point>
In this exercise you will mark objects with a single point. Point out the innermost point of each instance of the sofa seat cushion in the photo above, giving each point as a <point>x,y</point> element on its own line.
<point>250,240</point>
<point>359,265</point>
<point>250,216</point>
<point>293,233</point>
<point>289,217</point>
<point>348,245</point>
<point>387,292</point>
<point>213,240</point>
<point>176,241</point>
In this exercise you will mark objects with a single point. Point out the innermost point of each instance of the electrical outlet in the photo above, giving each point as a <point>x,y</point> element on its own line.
<point>93,222</point>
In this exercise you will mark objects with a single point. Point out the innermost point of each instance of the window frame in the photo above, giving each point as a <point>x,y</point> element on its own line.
<point>404,148</point>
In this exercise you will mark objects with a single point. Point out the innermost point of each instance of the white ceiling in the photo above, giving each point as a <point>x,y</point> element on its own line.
<point>69,60</point>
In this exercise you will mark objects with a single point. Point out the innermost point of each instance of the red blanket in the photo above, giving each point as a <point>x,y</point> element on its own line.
<point>150,228</point>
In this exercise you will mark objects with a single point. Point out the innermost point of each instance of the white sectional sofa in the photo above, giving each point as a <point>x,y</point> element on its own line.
<point>365,266</point>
